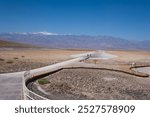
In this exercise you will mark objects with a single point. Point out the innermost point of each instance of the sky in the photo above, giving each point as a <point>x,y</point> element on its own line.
<point>129,19</point>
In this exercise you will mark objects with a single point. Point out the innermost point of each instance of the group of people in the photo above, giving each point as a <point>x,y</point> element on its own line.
<point>89,55</point>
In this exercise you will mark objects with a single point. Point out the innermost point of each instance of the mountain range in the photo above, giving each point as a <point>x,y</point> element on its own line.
<point>9,44</point>
<point>53,40</point>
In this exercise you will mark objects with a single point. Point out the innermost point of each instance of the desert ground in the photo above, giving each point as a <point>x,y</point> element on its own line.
<point>26,59</point>
<point>82,83</point>
<point>93,84</point>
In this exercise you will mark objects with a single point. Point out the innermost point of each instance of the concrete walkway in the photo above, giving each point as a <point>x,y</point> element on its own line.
<point>11,86</point>
<point>11,83</point>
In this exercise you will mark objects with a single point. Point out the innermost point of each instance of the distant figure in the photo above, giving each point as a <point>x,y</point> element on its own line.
<point>133,64</point>
<point>27,74</point>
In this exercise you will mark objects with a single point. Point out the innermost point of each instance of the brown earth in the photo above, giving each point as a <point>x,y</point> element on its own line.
<point>81,83</point>
<point>100,84</point>
<point>94,84</point>
<point>124,60</point>
<point>26,59</point>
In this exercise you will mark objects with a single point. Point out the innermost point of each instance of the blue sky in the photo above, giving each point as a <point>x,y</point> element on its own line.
<point>129,19</point>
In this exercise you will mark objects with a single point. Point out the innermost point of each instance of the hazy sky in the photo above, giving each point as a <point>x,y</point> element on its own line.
<point>129,19</point>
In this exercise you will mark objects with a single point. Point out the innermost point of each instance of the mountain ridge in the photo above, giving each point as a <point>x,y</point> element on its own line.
<point>54,40</point>
<point>10,44</point>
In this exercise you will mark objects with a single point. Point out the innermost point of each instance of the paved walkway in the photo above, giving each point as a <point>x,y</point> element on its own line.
<point>11,83</point>
<point>11,86</point>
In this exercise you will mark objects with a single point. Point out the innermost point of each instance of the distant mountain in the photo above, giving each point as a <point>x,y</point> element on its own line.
<point>144,45</point>
<point>53,40</point>
<point>8,44</point>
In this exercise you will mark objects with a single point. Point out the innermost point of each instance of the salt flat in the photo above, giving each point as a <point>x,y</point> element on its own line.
<point>21,60</point>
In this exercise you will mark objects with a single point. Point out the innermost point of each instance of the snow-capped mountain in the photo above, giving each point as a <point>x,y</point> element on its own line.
<point>36,33</point>
<point>54,40</point>
<point>44,33</point>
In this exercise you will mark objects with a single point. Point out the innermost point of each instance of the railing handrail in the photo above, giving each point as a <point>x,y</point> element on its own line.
<point>27,93</point>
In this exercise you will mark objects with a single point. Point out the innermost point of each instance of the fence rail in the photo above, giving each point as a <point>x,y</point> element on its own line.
<point>28,94</point>
<point>31,75</point>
